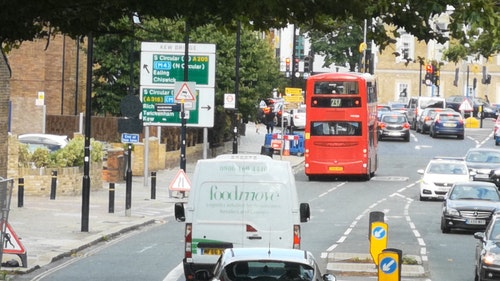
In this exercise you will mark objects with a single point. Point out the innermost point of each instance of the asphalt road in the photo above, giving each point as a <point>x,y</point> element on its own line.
<point>340,210</point>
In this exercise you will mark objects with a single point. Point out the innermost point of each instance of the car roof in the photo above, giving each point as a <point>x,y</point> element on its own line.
<point>44,138</point>
<point>231,255</point>
<point>482,149</point>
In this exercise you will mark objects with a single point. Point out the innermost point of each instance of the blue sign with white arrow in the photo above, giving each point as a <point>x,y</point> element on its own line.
<point>388,265</point>
<point>379,232</point>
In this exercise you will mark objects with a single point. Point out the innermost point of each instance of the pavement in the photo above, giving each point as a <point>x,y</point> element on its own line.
<point>50,230</point>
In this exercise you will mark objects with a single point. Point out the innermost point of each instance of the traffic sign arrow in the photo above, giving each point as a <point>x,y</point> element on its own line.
<point>146,68</point>
<point>206,107</point>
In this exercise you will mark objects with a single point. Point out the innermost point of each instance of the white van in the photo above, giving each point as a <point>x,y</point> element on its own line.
<point>239,200</point>
<point>417,104</point>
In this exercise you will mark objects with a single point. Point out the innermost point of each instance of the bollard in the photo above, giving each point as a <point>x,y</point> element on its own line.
<point>53,186</point>
<point>153,185</point>
<point>20,193</point>
<point>111,208</point>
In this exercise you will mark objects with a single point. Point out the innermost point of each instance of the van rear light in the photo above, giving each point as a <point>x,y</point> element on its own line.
<point>296,236</point>
<point>188,238</point>
<point>251,228</point>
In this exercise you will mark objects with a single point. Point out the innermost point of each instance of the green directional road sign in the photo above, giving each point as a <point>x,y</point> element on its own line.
<point>200,115</point>
<point>162,64</point>
<point>168,69</point>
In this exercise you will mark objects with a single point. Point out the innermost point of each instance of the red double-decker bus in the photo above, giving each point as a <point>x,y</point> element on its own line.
<point>341,125</point>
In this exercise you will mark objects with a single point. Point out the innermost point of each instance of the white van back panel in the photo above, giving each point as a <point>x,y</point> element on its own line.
<point>249,202</point>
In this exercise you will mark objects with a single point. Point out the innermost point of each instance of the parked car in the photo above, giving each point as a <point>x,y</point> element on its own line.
<point>485,162</point>
<point>416,105</point>
<point>298,118</point>
<point>487,256</point>
<point>440,175</point>
<point>425,119</point>
<point>265,264</point>
<point>382,109</point>
<point>46,141</point>
<point>447,123</point>
<point>469,206</point>
<point>456,101</point>
<point>394,126</point>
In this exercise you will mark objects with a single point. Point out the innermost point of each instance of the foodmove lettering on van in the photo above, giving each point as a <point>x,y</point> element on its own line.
<point>235,195</point>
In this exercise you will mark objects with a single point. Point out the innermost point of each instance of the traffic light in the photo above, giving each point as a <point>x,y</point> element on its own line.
<point>287,62</point>
<point>435,77</point>
<point>296,65</point>
<point>308,64</point>
<point>429,69</point>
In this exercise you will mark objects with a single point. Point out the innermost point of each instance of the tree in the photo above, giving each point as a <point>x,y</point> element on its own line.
<point>259,70</point>
<point>339,47</point>
<point>25,20</point>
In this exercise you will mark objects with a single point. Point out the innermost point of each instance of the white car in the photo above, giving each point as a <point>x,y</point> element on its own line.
<point>440,175</point>
<point>47,141</point>
<point>265,264</point>
<point>298,118</point>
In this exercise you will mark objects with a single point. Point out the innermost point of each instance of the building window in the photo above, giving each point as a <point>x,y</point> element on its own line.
<point>402,92</point>
<point>405,47</point>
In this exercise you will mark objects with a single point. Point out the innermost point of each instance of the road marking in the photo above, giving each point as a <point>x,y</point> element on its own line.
<point>175,274</point>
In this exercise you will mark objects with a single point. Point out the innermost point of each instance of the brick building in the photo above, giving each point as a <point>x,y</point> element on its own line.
<point>48,77</point>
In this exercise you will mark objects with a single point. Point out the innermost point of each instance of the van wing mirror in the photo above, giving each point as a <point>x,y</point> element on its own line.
<point>179,212</point>
<point>305,212</point>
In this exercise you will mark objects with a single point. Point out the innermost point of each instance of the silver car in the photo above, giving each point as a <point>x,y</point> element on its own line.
<point>269,264</point>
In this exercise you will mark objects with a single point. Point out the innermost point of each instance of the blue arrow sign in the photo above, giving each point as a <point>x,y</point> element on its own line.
<point>379,232</point>
<point>388,265</point>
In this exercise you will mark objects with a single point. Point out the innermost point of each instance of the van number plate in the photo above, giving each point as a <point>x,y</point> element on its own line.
<point>212,251</point>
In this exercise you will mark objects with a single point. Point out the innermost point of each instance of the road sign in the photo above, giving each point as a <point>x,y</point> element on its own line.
<point>378,239</point>
<point>162,107</point>
<point>389,268</point>
<point>130,138</point>
<point>184,91</point>
<point>180,182</point>
<point>163,64</point>
<point>12,244</point>
<point>293,91</point>
<point>229,101</point>
<point>202,115</point>
<point>465,106</point>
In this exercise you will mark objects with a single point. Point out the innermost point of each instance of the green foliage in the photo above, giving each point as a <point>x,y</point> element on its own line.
<point>26,20</point>
<point>259,69</point>
<point>72,155</point>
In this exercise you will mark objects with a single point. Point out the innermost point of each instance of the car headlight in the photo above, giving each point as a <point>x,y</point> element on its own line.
<point>491,259</point>
<point>451,212</point>
<point>483,171</point>
<point>497,172</point>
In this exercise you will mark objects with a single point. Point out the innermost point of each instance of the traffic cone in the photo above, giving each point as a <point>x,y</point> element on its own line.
<point>286,150</point>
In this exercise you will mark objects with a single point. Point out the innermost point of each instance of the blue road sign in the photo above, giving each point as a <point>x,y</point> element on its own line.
<point>130,138</point>
<point>388,265</point>
<point>379,232</point>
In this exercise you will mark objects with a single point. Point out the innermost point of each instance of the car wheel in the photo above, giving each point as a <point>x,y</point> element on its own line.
<point>444,228</point>
<point>497,143</point>
<point>418,130</point>
<point>460,137</point>
<point>407,138</point>
<point>423,198</point>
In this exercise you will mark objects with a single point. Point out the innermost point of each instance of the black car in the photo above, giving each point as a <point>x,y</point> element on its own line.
<point>394,125</point>
<point>487,258</point>
<point>456,101</point>
<point>469,206</point>
<point>485,163</point>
